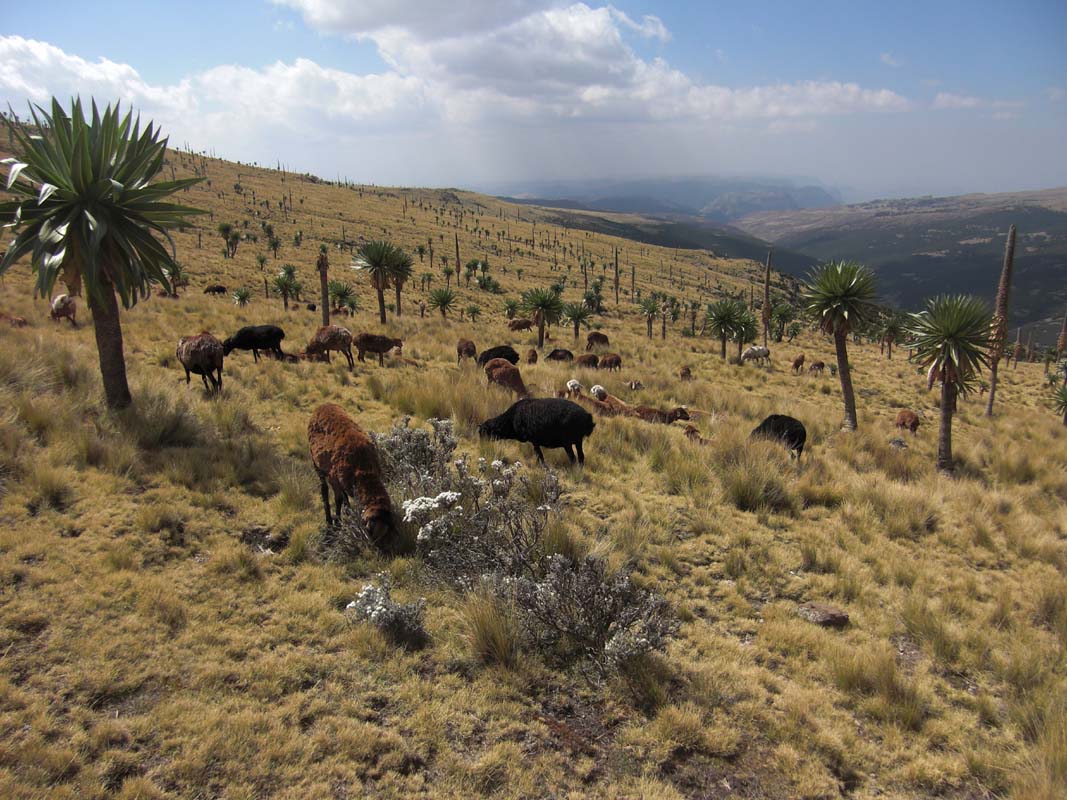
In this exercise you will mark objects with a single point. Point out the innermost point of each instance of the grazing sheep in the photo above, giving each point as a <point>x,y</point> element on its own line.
<point>756,353</point>
<point>202,355</point>
<point>787,430</point>
<point>543,422</point>
<point>612,362</point>
<point>255,338</point>
<point>635,385</point>
<point>64,307</point>
<point>465,349</point>
<point>332,337</point>
<point>798,364</point>
<point>587,360</point>
<point>649,414</point>
<point>215,288</point>
<point>574,387</point>
<point>559,354</point>
<point>531,356</point>
<point>311,307</point>
<point>685,374</point>
<point>504,373</point>
<point>500,351</point>
<point>376,343</point>
<point>12,320</point>
<point>520,324</point>
<point>596,339</point>
<point>346,460</point>
<point>833,370</point>
<point>617,406</point>
<point>597,406</point>
<point>907,418</point>
<point>693,435</point>
<point>816,366</point>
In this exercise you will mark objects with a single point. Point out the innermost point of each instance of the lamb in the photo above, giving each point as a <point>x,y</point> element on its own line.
<point>12,320</point>
<point>574,387</point>
<point>543,422</point>
<point>587,360</point>
<point>346,460</point>
<point>685,374</point>
<point>465,349</point>
<point>635,385</point>
<point>907,418</point>
<point>560,354</point>
<point>798,364</point>
<point>500,351</point>
<point>332,337</point>
<point>612,362</point>
<point>531,356</point>
<point>617,406</point>
<point>520,324</point>
<point>503,373</point>
<point>787,430</point>
<point>64,307</point>
<point>255,338</point>
<point>596,339</point>
<point>816,366</point>
<point>596,406</point>
<point>202,355</point>
<point>755,353</point>
<point>693,435</point>
<point>649,414</point>
<point>216,289</point>
<point>376,343</point>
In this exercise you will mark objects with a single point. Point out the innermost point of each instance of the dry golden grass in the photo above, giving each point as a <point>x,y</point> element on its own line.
<point>148,649</point>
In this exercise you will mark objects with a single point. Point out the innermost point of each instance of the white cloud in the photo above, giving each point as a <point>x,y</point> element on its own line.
<point>946,101</point>
<point>889,60</point>
<point>1055,94</point>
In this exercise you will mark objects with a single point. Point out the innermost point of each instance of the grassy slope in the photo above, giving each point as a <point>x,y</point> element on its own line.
<point>145,649</point>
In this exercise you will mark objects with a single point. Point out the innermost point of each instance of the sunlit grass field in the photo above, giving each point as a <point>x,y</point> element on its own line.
<point>168,629</point>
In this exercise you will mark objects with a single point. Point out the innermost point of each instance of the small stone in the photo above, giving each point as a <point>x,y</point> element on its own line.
<point>823,614</point>
<point>900,444</point>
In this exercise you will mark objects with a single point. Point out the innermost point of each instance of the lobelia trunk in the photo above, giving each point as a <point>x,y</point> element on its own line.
<point>398,287</point>
<point>541,333</point>
<point>723,348</point>
<point>325,295</point>
<point>944,437</point>
<point>1000,318</point>
<point>844,372</point>
<point>381,305</point>
<point>108,331</point>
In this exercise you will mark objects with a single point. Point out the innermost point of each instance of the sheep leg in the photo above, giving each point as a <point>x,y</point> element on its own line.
<point>186,376</point>
<point>340,501</point>
<point>570,452</point>
<point>348,355</point>
<point>326,500</point>
<point>219,388</point>
<point>581,453</point>
<point>540,455</point>
<point>360,354</point>
<point>255,355</point>
<point>207,386</point>
<point>381,359</point>
<point>327,354</point>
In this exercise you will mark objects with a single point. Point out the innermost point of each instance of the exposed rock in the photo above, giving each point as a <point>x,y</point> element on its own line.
<point>823,614</point>
<point>900,444</point>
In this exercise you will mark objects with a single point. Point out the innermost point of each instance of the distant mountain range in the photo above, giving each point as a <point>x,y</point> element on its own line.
<point>929,245</point>
<point>706,199</point>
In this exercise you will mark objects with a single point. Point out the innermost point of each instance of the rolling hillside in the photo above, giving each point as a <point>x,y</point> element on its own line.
<point>174,618</point>
<point>924,246</point>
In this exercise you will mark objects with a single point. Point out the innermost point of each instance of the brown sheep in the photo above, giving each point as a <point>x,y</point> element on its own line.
<point>612,362</point>
<point>507,375</point>
<point>493,363</point>
<point>587,360</point>
<point>465,349</point>
<point>376,343</point>
<point>520,325</point>
<point>596,339</point>
<point>693,435</point>
<point>685,374</point>
<point>817,366</point>
<point>331,337</point>
<point>635,386</point>
<point>64,307</point>
<point>531,356</point>
<point>649,414</point>
<point>202,355</point>
<point>560,354</point>
<point>618,406</point>
<point>346,460</point>
<point>798,363</point>
<point>907,418</point>
<point>594,405</point>
<point>12,320</point>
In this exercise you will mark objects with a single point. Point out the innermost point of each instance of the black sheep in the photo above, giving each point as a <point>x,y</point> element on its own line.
<point>215,288</point>
<point>559,354</point>
<point>256,338</point>
<point>787,430</point>
<point>543,422</point>
<point>500,351</point>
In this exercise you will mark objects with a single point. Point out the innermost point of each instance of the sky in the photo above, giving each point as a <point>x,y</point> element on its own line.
<point>875,99</point>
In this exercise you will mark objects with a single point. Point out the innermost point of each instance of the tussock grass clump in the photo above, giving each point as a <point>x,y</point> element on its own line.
<point>873,673</point>
<point>1050,607</point>
<point>493,632</point>
<point>50,488</point>
<point>931,627</point>
<point>157,420</point>
<point>236,560</point>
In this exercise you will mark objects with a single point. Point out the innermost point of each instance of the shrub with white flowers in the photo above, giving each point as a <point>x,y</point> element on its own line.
<point>400,622</point>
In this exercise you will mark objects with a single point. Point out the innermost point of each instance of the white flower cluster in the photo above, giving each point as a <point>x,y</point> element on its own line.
<point>400,622</point>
